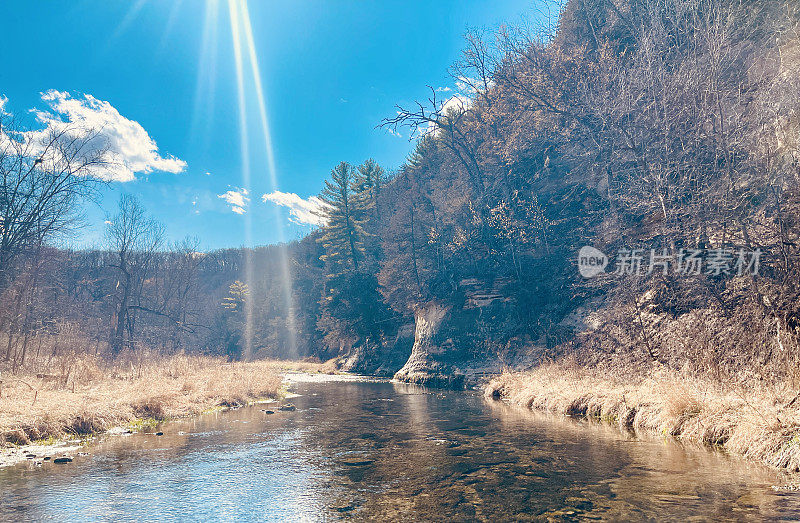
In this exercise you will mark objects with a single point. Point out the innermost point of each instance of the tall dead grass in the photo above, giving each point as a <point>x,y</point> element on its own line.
<point>89,395</point>
<point>760,422</point>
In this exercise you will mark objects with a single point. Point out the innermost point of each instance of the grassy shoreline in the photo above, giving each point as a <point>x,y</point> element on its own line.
<point>39,412</point>
<point>758,422</point>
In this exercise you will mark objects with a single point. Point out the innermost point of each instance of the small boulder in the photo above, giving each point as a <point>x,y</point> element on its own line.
<point>357,462</point>
<point>288,407</point>
<point>343,507</point>
<point>63,459</point>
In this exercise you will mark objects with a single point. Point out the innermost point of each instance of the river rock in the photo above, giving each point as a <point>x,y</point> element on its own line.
<point>63,459</point>
<point>288,407</point>
<point>357,462</point>
<point>343,507</point>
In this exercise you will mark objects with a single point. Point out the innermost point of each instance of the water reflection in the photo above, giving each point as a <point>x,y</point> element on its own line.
<point>382,450</point>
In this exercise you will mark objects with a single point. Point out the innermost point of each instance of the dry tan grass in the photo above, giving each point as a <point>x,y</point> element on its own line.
<point>96,396</point>
<point>760,423</point>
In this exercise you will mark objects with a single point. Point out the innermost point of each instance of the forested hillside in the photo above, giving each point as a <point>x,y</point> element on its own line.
<point>663,126</point>
<point>666,125</point>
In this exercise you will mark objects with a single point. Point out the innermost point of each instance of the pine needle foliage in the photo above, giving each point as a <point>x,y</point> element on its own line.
<point>345,212</point>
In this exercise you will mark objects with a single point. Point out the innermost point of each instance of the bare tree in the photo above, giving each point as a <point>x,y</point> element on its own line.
<point>43,177</point>
<point>136,240</point>
<point>449,121</point>
<point>175,296</point>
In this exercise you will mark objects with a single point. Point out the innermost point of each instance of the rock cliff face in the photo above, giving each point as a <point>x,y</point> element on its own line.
<point>383,360</point>
<point>434,356</point>
<point>446,346</point>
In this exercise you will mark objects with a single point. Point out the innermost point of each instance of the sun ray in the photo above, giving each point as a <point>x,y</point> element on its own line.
<point>205,89</point>
<point>130,16</point>
<point>286,276</point>
<point>165,34</point>
<point>245,153</point>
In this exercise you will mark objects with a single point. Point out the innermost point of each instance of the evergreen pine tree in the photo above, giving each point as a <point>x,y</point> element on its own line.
<point>368,183</point>
<point>351,310</point>
<point>344,212</point>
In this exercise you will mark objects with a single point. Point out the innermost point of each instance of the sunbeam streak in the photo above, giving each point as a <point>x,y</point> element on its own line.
<point>286,276</point>
<point>167,32</point>
<point>130,16</point>
<point>245,153</point>
<point>205,89</point>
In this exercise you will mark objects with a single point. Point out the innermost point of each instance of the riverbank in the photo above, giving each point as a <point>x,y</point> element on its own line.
<point>759,422</point>
<point>41,413</point>
<point>363,449</point>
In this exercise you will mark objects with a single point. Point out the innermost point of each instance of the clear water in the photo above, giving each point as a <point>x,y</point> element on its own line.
<point>360,450</point>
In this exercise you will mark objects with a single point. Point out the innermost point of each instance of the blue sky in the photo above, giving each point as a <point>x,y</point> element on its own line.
<point>162,72</point>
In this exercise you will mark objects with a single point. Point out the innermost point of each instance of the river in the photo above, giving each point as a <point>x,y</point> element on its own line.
<point>378,450</point>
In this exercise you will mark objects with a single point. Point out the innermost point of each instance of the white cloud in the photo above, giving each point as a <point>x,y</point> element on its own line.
<point>3,102</point>
<point>238,199</point>
<point>128,148</point>
<point>457,103</point>
<point>467,85</point>
<point>301,210</point>
<point>472,86</point>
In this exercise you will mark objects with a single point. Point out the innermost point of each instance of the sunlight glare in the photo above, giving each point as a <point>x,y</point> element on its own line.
<point>286,276</point>
<point>130,16</point>
<point>244,150</point>
<point>165,34</point>
<point>205,88</point>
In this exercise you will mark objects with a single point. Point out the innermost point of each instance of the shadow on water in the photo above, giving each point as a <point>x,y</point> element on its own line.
<point>385,450</point>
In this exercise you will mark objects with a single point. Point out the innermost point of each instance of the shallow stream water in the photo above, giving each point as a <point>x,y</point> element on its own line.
<point>378,450</point>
